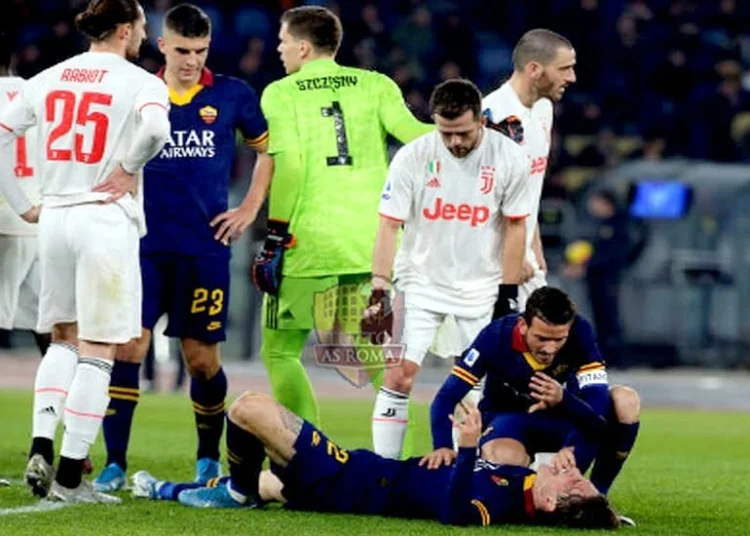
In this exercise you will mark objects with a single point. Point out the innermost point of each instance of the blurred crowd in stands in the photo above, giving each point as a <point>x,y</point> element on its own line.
<point>656,78</point>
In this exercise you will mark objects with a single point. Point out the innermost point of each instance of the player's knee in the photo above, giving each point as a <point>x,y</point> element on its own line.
<point>627,403</point>
<point>135,350</point>
<point>65,333</point>
<point>401,378</point>
<point>506,451</point>
<point>249,407</point>
<point>202,360</point>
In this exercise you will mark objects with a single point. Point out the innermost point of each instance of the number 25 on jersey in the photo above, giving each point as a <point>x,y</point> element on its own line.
<point>63,109</point>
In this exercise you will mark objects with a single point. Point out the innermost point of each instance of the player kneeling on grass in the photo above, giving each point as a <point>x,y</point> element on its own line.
<point>526,360</point>
<point>310,472</point>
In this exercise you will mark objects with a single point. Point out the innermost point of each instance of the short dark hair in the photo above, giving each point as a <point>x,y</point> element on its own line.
<point>452,99</point>
<point>188,20</point>
<point>579,512</point>
<point>101,18</point>
<point>318,25</point>
<point>551,305</point>
<point>538,45</point>
<point>6,50</point>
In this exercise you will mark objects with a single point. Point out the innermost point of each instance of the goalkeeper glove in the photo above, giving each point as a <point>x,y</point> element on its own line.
<point>510,126</point>
<point>380,322</point>
<point>507,301</point>
<point>266,269</point>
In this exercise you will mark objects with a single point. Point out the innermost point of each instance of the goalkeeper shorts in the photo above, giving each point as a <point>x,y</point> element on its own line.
<point>318,303</point>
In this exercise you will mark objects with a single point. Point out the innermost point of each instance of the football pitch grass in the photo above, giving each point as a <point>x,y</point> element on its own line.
<point>688,474</point>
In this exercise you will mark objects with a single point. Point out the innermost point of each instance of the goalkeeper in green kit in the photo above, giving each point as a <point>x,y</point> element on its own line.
<point>327,127</point>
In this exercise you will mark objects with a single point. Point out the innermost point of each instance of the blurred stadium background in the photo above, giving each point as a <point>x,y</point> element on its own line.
<point>659,120</point>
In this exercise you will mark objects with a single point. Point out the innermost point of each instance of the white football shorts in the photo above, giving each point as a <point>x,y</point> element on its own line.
<point>90,272</point>
<point>19,282</point>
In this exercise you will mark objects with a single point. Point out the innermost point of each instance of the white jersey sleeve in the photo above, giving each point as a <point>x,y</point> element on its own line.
<point>517,196</point>
<point>152,120</point>
<point>397,196</point>
<point>18,117</point>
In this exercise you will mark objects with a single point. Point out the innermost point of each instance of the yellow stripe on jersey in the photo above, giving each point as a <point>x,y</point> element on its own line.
<point>260,140</point>
<point>184,98</point>
<point>591,366</point>
<point>465,375</point>
<point>533,363</point>
<point>528,482</point>
<point>482,512</point>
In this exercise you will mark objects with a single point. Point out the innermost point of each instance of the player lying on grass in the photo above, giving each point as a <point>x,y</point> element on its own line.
<point>526,359</point>
<point>311,472</point>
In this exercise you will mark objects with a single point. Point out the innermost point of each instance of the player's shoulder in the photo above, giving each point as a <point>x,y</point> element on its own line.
<point>11,83</point>
<point>581,331</point>
<point>497,105</point>
<point>420,148</point>
<point>231,85</point>
<point>505,147</point>
<point>544,108</point>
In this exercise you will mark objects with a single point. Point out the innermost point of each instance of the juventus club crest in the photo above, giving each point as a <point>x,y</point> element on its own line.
<point>487,179</point>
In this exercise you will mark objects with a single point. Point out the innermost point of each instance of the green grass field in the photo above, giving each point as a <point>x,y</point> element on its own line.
<point>688,475</point>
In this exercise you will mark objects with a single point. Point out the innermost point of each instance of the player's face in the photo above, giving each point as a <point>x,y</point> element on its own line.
<point>558,75</point>
<point>185,56</point>
<point>462,134</point>
<point>291,50</point>
<point>137,36</point>
<point>544,340</point>
<point>553,484</point>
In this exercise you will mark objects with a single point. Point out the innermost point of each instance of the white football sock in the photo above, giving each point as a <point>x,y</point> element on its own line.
<point>84,409</point>
<point>389,421</point>
<point>51,386</point>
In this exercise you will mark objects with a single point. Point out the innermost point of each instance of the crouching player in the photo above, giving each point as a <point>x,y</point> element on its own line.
<point>310,472</point>
<point>526,359</point>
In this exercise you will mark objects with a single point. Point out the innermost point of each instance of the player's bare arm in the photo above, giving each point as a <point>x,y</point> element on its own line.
<point>514,249</point>
<point>232,223</point>
<point>383,255</point>
<point>536,246</point>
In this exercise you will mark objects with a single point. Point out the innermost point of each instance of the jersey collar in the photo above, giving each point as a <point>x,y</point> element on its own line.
<point>528,497</point>
<point>318,64</point>
<point>206,80</point>
<point>519,345</point>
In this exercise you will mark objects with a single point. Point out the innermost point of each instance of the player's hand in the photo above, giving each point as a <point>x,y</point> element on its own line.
<point>563,460</point>
<point>117,184</point>
<point>377,318</point>
<point>266,269</point>
<point>32,215</point>
<point>232,223</point>
<point>469,424</point>
<point>507,301</point>
<point>527,272</point>
<point>438,458</point>
<point>545,390</point>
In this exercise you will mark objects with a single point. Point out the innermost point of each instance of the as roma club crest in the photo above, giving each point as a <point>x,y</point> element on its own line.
<point>208,114</point>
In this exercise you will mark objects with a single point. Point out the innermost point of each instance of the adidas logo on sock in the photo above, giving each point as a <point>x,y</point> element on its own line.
<point>48,409</point>
<point>390,412</point>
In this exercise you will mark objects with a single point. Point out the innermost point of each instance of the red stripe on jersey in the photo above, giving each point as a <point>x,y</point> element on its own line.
<point>153,104</point>
<point>6,127</point>
<point>387,217</point>
<point>516,218</point>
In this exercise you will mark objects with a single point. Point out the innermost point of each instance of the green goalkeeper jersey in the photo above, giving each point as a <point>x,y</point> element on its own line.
<point>327,134</point>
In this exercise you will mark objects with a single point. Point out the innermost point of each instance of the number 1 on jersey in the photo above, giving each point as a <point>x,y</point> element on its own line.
<point>22,169</point>
<point>342,144</point>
